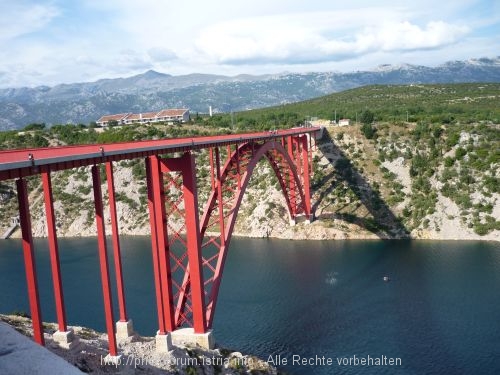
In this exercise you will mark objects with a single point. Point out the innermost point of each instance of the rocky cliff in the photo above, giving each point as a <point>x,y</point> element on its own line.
<point>394,185</point>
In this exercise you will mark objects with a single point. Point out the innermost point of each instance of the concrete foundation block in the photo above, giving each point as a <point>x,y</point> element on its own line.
<point>163,343</point>
<point>311,219</point>
<point>66,339</point>
<point>124,329</point>
<point>187,336</point>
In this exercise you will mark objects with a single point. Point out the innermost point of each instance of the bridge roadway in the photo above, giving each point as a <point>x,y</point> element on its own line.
<point>25,162</point>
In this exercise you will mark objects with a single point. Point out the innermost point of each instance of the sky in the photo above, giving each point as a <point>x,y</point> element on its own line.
<point>47,42</point>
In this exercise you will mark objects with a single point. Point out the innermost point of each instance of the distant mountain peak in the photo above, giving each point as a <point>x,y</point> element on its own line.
<point>390,67</point>
<point>483,61</point>
<point>153,74</point>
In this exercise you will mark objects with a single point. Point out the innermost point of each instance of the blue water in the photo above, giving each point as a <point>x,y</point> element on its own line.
<point>439,313</point>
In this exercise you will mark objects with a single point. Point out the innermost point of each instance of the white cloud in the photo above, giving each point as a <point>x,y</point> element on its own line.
<point>21,18</point>
<point>320,37</point>
<point>53,41</point>
<point>405,36</point>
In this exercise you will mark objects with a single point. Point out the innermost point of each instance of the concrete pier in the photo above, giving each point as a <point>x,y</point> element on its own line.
<point>66,340</point>
<point>187,336</point>
<point>124,329</point>
<point>163,343</point>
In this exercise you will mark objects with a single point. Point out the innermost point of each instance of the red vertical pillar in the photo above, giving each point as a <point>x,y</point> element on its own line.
<point>305,177</point>
<point>219,198</point>
<point>116,241</point>
<point>154,246</point>
<point>310,153</point>
<point>193,242</point>
<point>29,260</point>
<point>103,260</point>
<point>54,250</point>
<point>163,248</point>
<point>238,171</point>
<point>212,175</point>
<point>293,200</point>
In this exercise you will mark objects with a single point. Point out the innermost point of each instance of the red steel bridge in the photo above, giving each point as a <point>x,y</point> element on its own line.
<point>187,281</point>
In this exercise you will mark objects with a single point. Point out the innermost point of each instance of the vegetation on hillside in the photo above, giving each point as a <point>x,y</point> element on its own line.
<point>449,147</point>
<point>443,103</point>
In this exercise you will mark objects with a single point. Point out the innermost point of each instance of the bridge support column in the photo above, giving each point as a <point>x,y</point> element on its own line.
<point>193,243</point>
<point>64,337</point>
<point>306,178</point>
<point>29,260</point>
<point>124,327</point>
<point>103,261</point>
<point>154,246</point>
<point>292,187</point>
<point>162,258</point>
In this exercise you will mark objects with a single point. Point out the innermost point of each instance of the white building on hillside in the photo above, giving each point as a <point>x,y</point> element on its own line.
<point>165,115</point>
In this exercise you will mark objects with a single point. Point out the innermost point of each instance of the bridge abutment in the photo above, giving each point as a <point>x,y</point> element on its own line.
<point>187,337</point>
<point>65,339</point>
<point>163,342</point>
<point>124,329</point>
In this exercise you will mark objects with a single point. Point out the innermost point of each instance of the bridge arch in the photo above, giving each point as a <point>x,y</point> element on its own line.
<point>221,209</point>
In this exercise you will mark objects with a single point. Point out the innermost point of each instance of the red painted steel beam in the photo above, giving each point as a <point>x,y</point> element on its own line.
<point>293,198</point>
<point>163,247</point>
<point>219,196</point>
<point>103,260</point>
<point>116,242</point>
<point>306,176</point>
<point>29,260</point>
<point>54,250</point>
<point>154,247</point>
<point>238,171</point>
<point>27,162</point>
<point>193,243</point>
<point>170,165</point>
<point>193,277</point>
<point>212,174</point>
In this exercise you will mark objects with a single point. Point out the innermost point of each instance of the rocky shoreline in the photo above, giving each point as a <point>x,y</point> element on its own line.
<point>138,354</point>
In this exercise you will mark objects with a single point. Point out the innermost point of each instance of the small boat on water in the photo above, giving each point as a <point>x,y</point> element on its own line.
<point>387,279</point>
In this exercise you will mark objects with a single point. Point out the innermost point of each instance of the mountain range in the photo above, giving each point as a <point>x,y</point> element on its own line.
<point>86,102</point>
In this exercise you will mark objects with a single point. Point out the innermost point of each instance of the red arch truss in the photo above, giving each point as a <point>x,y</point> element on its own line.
<point>229,184</point>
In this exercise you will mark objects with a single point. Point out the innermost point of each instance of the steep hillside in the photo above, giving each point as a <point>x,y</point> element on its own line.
<point>403,180</point>
<point>436,103</point>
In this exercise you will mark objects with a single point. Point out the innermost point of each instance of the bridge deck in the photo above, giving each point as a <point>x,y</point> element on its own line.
<point>24,162</point>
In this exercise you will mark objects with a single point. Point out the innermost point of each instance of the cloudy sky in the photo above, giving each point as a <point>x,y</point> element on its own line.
<point>46,42</point>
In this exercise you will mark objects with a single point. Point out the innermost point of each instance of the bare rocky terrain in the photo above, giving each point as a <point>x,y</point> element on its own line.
<point>138,354</point>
